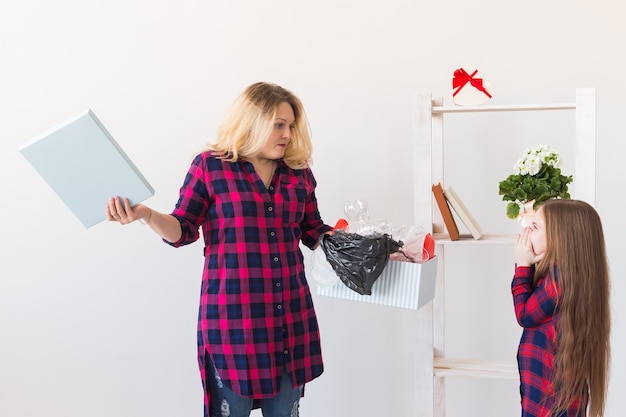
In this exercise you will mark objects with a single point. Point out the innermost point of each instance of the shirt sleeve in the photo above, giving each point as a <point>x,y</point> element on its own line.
<point>192,205</point>
<point>533,305</point>
<point>312,225</point>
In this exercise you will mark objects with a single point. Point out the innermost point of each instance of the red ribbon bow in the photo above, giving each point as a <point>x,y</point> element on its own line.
<point>461,77</point>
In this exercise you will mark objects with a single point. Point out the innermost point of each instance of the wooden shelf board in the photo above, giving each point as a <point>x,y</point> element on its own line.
<point>467,239</point>
<point>522,107</point>
<point>475,368</point>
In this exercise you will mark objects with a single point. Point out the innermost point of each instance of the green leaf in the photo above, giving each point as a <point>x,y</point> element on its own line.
<point>512,210</point>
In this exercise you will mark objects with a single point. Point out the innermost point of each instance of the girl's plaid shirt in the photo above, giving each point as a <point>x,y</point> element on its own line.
<point>536,311</point>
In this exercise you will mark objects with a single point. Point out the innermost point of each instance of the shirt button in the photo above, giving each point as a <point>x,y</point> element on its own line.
<point>270,208</point>
<point>275,258</point>
<point>272,234</point>
<point>286,351</point>
<point>279,306</point>
<point>278,284</point>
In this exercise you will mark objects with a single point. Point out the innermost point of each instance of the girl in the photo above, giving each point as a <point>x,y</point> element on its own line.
<point>253,195</point>
<point>561,296</point>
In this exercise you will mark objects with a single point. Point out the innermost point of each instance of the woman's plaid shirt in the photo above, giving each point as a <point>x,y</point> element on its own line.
<point>256,311</point>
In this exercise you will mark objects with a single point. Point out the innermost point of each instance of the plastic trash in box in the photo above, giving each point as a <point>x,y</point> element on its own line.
<point>402,284</point>
<point>418,246</point>
<point>360,250</point>
<point>358,260</point>
<point>321,271</point>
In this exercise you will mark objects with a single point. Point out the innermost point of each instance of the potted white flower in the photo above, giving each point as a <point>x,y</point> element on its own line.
<point>537,177</point>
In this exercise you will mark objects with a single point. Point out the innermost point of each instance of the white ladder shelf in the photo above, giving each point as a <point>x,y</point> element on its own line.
<point>432,366</point>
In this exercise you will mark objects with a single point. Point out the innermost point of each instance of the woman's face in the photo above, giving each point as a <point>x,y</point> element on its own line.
<point>276,144</point>
<point>538,233</point>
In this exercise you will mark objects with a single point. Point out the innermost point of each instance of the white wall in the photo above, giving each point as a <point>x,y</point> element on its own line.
<point>101,322</point>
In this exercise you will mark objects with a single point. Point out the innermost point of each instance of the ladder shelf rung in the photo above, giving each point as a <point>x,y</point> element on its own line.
<point>502,108</point>
<point>444,239</point>
<point>475,368</point>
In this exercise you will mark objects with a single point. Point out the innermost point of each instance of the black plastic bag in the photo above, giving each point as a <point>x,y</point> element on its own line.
<point>358,260</point>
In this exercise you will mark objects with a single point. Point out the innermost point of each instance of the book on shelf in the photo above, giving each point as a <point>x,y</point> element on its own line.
<point>464,214</point>
<point>448,220</point>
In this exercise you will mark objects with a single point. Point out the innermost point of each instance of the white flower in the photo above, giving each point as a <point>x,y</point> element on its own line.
<point>533,159</point>
<point>520,168</point>
<point>533,163</point>
<point>554,160</point>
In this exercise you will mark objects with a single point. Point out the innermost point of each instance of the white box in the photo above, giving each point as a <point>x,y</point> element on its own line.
<point>401,284</point>
<point>84,165</point>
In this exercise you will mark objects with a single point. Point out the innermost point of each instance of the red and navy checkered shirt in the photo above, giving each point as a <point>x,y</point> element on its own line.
<point>536,311</point>
<point>256,312</point>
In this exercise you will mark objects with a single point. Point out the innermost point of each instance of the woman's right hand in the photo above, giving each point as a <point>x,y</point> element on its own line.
<point>123,213</point>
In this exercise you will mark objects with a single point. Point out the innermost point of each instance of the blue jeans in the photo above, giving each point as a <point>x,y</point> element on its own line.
<point>225,403</point>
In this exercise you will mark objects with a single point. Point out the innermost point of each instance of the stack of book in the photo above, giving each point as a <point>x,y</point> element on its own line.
<point>449,198</point>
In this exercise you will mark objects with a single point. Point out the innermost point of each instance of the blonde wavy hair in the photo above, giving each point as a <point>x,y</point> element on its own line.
<point>576,248</point>
<point>249,122</point>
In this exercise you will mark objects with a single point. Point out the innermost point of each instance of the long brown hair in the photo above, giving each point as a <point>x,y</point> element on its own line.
<point>575,247</point>
<point>250,120</point>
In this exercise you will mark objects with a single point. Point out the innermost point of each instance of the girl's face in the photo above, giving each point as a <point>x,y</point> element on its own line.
<point>538,233</point>
<point>276,144</point>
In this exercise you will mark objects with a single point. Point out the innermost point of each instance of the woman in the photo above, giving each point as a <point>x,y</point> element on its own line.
<point>253,195</point>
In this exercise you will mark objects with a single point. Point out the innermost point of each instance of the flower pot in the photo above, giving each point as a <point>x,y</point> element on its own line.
<point>526,214</point>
